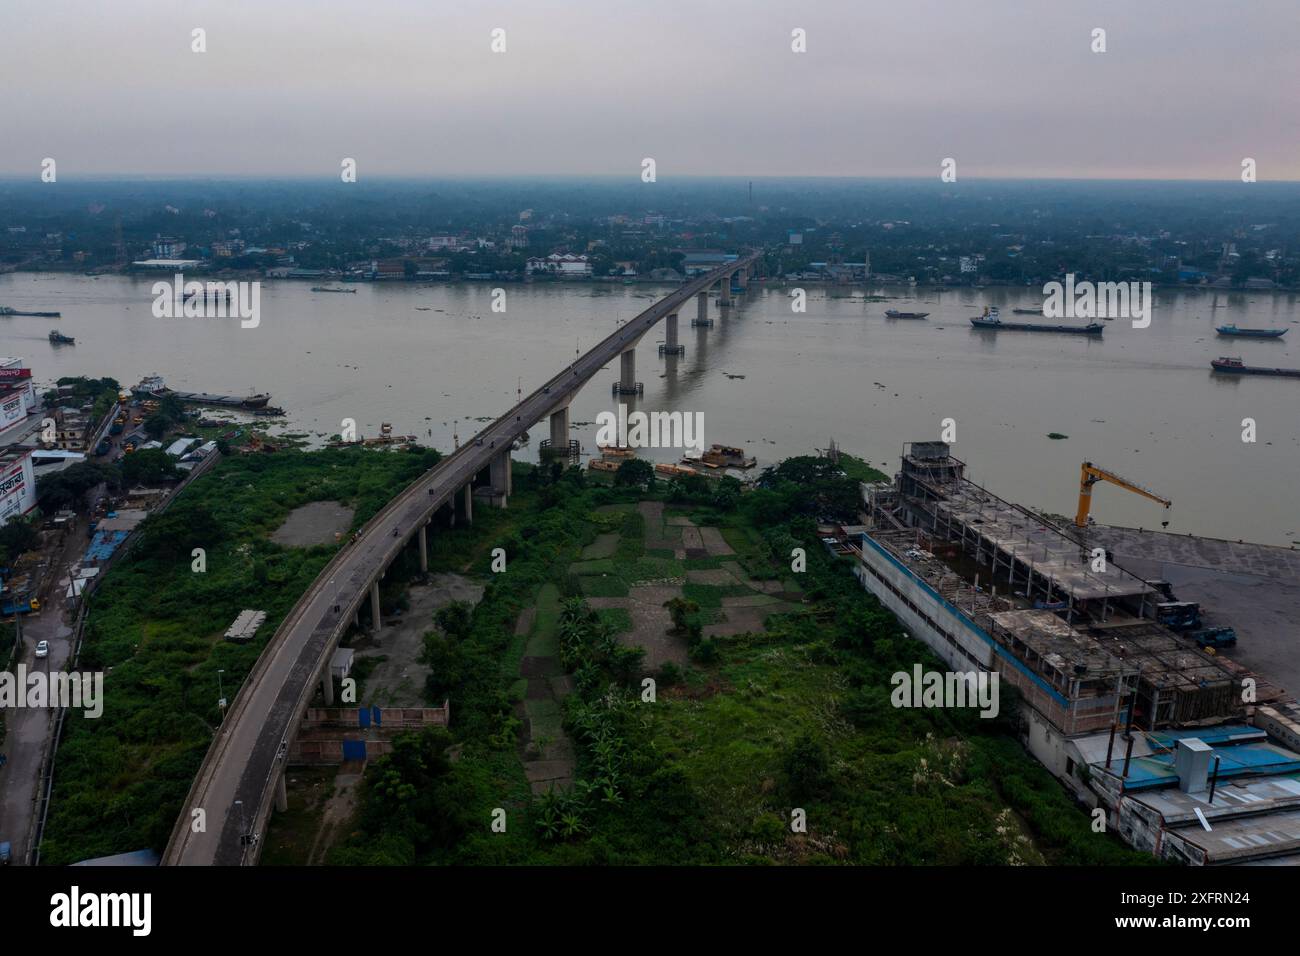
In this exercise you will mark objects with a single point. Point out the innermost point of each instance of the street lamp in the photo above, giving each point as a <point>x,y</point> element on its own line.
<point>221,694</point>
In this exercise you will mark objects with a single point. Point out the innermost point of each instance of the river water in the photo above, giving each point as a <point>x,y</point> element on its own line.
<point>1142,403</point>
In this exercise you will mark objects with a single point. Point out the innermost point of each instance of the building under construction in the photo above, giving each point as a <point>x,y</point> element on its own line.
<point>989,585</point>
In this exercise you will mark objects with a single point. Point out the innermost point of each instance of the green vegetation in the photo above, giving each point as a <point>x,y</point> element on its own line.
<point>16,537</point>
<point>793,715</point>
<point>155,626</point>
<point>77,390</point>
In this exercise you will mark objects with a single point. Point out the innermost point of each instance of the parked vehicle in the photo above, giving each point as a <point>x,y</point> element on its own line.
<point>1215,637</point>
<point>1180,615</point>
<point>43,649</point>
<point>24,606</point>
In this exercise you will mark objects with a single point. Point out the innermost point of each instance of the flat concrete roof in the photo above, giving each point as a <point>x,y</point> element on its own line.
<point>1050,552</point>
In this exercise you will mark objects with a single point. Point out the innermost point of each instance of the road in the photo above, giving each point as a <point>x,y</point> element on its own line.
<point>235,786</point>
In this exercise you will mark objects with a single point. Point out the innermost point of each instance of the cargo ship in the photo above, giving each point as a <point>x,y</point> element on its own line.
<point>1250,333</point>
<point>5,310</point>
<point>895,314</point>
<point>321,288</point>
<point>616,451</point>
<point>675,471</point>
<point>992,321</point>
<point>58,338</point>
<point>1234,366</point>
<point>152,386</point>
<point>209,295</point>
<point>722,456</point>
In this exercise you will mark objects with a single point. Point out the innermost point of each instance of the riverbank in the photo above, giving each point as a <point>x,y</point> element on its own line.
<point>721,707</point>
<point>156,628</point>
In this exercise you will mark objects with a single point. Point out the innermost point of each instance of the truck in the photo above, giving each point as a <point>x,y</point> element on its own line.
<point>14,605</point>
<point>1179,615</point>
<point>1214,637</point>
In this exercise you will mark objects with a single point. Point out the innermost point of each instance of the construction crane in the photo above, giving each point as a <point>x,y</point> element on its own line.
<point>1091,474</point>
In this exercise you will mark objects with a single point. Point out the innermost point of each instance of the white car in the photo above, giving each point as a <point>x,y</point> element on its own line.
<point>43,649</point>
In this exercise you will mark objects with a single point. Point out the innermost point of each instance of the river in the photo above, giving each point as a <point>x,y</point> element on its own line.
<point>433,358</point>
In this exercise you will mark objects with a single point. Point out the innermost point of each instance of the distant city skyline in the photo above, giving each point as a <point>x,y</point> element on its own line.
<point>1009,89</point>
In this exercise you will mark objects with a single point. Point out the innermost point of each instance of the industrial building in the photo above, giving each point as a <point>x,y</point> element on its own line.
<point>1129,714</point>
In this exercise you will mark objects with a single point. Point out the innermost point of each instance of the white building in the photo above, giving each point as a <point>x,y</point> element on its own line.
<point>17,483</point>
<point>14,376</point>
<point>567,265</point>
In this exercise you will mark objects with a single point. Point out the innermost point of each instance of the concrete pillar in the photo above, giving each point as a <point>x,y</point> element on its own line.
<point>724,291</point>
<point>465,503</point>
<point>281,794</point>
<point>500,475</point>
<point>424,549</point>
<point>560,429</point>
<point>702,305</point>
<point>327,687</point>
<point>627,380</point>
<point>376,619</point>
<point>670,332</point>
<point>743,280</point>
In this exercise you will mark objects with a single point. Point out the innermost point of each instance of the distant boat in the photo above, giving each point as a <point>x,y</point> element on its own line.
<point>321,288</point>
<point>58,338</point>
<point>5,310</point>
<point>1028,311</point>
<point>1234,366</point>
<point>991,321</point>
<point>1250,333</point>
<point>895,314</point>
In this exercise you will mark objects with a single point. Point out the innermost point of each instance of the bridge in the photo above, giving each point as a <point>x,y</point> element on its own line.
<point>242,775</point>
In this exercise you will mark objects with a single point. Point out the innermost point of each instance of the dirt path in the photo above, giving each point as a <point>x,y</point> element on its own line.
<point>338,812</point>
<point>545,749</point>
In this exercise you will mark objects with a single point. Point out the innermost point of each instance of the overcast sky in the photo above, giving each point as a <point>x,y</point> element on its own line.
<point>1009,88</point>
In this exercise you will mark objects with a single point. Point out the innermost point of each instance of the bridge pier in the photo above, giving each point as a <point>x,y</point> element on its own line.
<point>327,687</point>
<point>424,549</point>
<point>670,346</point>
<point>560,428</point>
<point>743,280</point>
<point>464,504</point>
<point>499,473</point>
<point>702,319</point>
<point>376,619</point>
<point>281,794</point>
<point>627,383</point>
<point>724,291</point>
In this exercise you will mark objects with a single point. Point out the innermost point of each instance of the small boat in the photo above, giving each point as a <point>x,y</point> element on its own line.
<point>1250,333</point>
<point>58,338</point>
<point>321,288</point>
<point>209,295</point>
<point>895,314</point>
<point>1234,366</point>
<point>5,310</point>
<point>1027,311</point>
<point>991,321</point>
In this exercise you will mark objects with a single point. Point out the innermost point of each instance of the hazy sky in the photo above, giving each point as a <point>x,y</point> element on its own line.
<point>1008,88</point>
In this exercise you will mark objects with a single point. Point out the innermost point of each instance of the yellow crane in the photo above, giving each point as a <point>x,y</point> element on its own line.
<point>1091,474</point>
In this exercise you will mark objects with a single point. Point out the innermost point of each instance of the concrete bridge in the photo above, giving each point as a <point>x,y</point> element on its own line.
<point>242,776</point>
